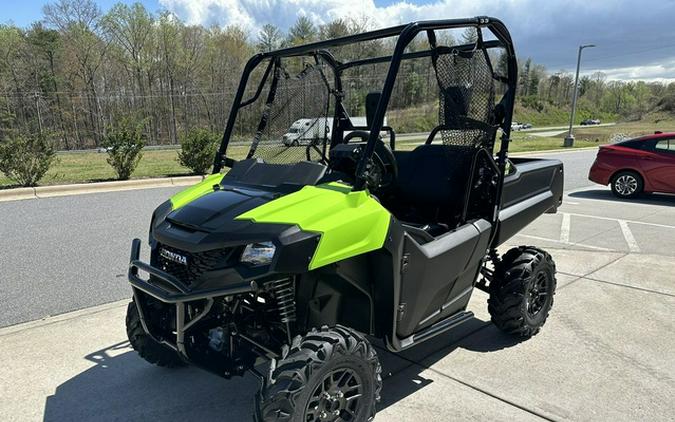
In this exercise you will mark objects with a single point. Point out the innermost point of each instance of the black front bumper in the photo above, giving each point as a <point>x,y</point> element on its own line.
<point>180,292</point>
<point>176,292</point>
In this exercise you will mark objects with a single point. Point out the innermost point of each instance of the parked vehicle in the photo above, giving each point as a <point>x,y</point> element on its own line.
<point>590,122</point>
<point>517,126</point>
<point>645,164</point>
<point>296,254</point>
<point>308,131</point>
<point>527,125</point>
<point>316,130</point>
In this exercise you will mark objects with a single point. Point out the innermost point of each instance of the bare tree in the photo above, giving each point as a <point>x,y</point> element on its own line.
<point>269,38</point>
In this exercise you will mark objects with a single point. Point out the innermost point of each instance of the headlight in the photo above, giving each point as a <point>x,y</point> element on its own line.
<point>260,253</point>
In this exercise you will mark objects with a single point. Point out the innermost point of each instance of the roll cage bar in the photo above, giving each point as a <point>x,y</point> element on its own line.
<point>405,33</point>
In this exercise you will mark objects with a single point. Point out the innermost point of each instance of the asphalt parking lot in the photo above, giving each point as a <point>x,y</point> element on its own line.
<point>606,352</point>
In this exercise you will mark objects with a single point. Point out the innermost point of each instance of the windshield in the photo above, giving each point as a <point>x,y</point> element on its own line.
<point>443,85</point>
<point>296,96</point>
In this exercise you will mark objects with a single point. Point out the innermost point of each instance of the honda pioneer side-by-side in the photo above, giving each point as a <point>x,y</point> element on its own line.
<point>299,254</point>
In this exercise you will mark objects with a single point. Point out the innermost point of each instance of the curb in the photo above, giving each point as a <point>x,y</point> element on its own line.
<point>52,319</point>
<point>17,194</point>
<point>552,151</point>
<point>85,188</point>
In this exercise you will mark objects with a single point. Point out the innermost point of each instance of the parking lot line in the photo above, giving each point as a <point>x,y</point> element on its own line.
<point>665,226</point>
<point>565,228</point>
<point>627,286</point>
<point>628,235</point>
<point>583,245</point>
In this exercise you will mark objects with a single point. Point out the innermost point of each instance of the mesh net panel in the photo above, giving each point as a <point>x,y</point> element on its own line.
<point>299,117</point>
<point>414,97</point>
<point>467,98</point>
<point>457,92</point>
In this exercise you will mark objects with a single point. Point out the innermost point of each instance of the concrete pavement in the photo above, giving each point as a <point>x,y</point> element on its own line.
<point>606,353</point>
<point>593,219</point>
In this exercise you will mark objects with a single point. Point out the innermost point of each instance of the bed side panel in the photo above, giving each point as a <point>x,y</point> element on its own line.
<point>536,187</point>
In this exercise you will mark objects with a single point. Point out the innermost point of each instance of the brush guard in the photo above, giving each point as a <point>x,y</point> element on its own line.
<point>179,295</point>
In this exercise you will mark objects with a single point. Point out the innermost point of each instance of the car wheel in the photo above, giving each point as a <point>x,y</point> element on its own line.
<point>330,374</point>
<point>295,143</point>
<point>627,184</point>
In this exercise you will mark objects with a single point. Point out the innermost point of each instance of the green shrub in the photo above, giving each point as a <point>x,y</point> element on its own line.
<point>25,158</point>
<point>667,103</point>
<point>124,143</point>
<point>198,149</point>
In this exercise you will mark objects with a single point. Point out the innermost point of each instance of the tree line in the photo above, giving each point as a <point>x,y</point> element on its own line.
<point>78,70</point>
<point>538,88</point>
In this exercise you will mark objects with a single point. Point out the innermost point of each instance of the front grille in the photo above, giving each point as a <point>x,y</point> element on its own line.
<point>197,263</point>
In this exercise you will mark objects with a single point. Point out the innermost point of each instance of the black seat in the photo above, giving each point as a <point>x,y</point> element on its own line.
<point>432,185</point>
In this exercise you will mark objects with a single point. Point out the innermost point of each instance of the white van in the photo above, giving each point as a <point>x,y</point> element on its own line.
<point>308,131</point>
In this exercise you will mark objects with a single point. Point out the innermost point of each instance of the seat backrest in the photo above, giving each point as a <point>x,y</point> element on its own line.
<point>433,182</point>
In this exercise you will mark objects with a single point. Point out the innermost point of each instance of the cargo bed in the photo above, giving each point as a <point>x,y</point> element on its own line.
<point>534,186</point>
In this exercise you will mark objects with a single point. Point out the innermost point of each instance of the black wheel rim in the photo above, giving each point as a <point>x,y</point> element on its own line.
<point>336,398</point>
<point>537,295</point>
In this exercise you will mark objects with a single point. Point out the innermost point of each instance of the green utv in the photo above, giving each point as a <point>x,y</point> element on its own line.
<point>299,252</point>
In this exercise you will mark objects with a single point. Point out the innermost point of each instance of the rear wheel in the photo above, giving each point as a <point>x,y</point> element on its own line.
<point>146,346</point>
<point>331,374</point>
<point>627,184</point>
<point>521,292</point>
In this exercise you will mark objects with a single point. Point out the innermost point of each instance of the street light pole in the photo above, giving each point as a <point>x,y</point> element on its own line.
<point>569,140</point>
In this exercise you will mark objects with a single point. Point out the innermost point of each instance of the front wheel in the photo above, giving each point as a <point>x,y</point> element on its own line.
<point>521,291</point>
<point>331,374</point>
<point>146,347</point>
<point>627,184</point>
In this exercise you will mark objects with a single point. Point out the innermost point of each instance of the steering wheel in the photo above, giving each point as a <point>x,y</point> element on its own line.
<point>382,170</point>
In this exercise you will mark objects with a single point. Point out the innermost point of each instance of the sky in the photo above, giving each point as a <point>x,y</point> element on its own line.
<point>635,38</point>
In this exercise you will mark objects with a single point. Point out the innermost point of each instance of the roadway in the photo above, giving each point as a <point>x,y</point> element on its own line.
<point>67,253</point>
<point>552,128</point>
<point>543,131</point>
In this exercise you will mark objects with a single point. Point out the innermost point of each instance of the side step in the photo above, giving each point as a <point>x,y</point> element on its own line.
<point>436,329</point>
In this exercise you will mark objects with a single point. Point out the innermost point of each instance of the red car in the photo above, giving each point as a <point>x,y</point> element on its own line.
<point>645,164</point>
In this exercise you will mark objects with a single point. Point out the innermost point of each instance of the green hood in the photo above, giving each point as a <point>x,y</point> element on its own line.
<point>350,223</point>
<point>197,191</point>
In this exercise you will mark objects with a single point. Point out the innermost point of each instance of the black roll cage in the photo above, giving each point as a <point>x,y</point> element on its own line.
<point>405,33</point>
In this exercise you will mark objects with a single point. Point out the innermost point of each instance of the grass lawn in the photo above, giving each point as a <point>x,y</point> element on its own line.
<point>520,142</point>
<point>604,134</point>
<point>92,166</point>
<point>83,167</point>
<point>535,143</point>
<point>591,136</point>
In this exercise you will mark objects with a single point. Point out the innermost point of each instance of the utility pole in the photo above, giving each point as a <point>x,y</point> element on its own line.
<point>39,115</point>
<point>569,140</point>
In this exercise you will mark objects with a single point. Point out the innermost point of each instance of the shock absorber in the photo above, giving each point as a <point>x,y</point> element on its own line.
<point>284,292</point>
